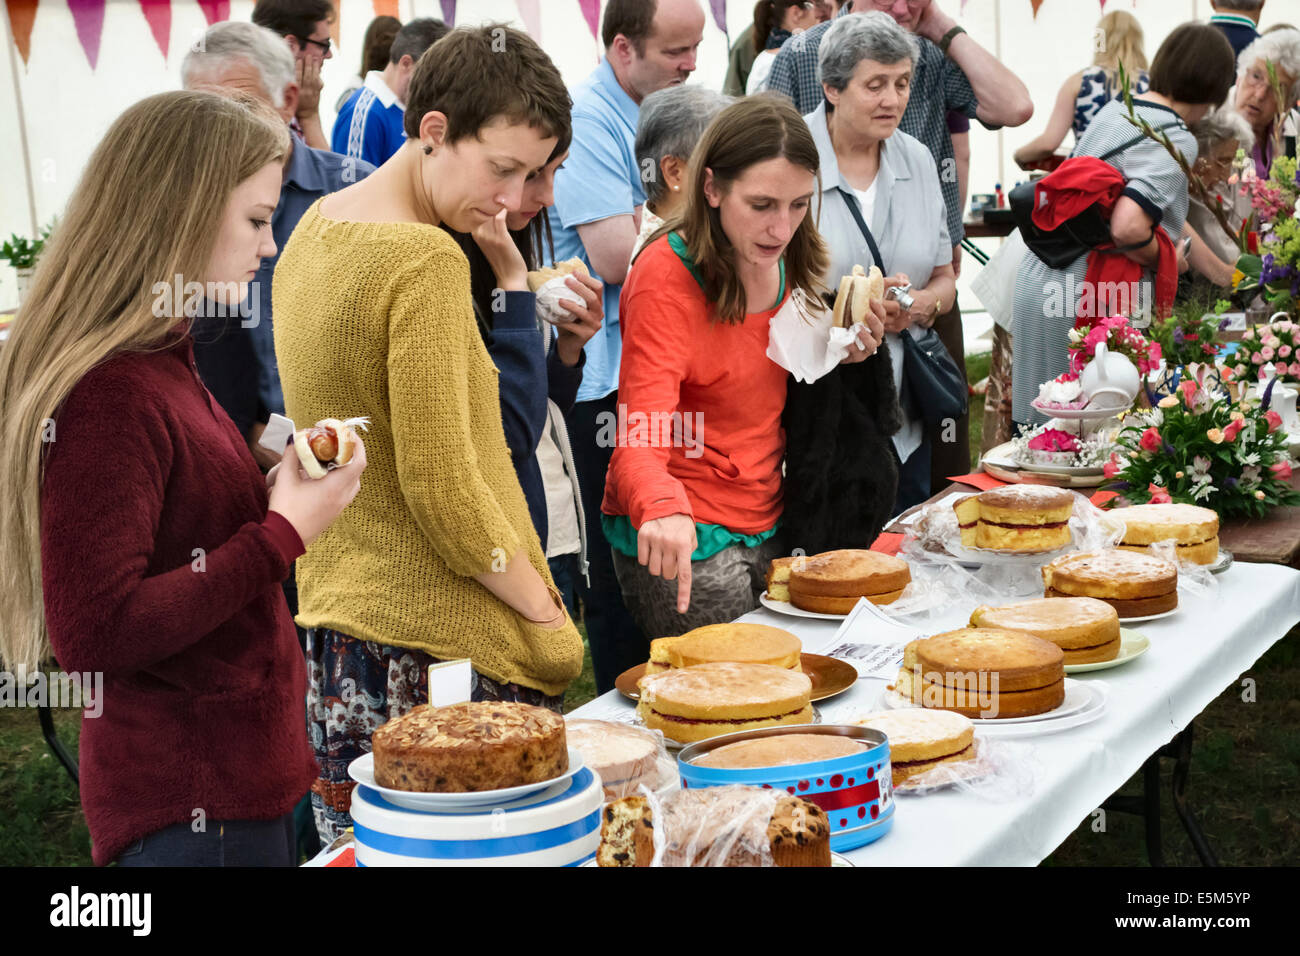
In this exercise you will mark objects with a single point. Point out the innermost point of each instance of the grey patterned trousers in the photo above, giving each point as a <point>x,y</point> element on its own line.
<point>723,588</point>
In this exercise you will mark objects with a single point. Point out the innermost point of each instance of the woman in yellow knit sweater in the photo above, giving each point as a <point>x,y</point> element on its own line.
<point>437,558</point>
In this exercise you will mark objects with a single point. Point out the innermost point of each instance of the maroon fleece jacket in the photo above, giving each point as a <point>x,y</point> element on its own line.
<point>161,568</point>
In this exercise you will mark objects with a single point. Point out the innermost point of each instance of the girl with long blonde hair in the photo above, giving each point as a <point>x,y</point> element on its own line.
<point>1118,41</point>
<point>139,541</point>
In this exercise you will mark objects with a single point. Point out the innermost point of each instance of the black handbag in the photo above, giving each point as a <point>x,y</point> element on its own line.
<point>1078,235</point>
<point>936,385</point>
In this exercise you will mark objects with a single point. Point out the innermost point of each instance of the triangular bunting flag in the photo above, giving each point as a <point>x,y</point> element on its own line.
<point>214,11</point>
<point>449,12</point>
<point>530,12</point>
<point>88,16</point>
<point>719,13</point>
<point>385,8</point>
<point>1035,4</point>
<point>22,14</point>
<point>158,13</point>
<point>591,12</point>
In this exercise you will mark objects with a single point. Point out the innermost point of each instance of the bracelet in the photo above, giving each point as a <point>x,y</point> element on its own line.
<point>947,39</point>
<point>559,613</point>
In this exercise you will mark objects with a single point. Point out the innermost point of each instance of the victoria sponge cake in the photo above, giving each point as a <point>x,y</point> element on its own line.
<point>778,579</point>
<point>1134,584</point>
<point>623,757</point>
<point>470,747</point>
<point>781,750</point>
<point>920,740</point>
<point>1085,628</point>
<point>1194,530</point>
<point>834,581</point>
<point>1016,518</point>
<point>694,703</point>
<point>738,641</point>
<point>985,673</point>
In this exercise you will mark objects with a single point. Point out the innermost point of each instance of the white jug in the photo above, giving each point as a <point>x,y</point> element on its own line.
<point>1111,378</point>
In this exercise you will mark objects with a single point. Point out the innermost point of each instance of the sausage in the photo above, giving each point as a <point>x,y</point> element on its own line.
<point>324,443</point>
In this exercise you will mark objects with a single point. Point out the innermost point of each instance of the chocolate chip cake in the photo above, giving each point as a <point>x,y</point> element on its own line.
<point>470,747</point>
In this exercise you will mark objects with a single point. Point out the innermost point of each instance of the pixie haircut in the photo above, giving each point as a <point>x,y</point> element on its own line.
<point>1194,65</point>
<point>475,75</point>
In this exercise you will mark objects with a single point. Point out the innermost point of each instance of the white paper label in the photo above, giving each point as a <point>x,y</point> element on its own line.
<point>449,682</point>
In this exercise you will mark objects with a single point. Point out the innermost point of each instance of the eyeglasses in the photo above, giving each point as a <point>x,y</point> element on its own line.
<point>323,44</point>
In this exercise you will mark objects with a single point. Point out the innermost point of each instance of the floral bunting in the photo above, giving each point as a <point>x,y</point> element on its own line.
<point>385,8</point>
<point>591,11</point>
<point>530,13</point>
<point>719,8</point>
<point>449,12</point>
<point>215,10</point>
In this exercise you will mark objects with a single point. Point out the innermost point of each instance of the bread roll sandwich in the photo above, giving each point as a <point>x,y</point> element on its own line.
<point>856,293</point>
<point>539,277</point>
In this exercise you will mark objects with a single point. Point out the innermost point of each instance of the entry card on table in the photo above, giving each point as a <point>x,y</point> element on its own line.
<point>449,682</point>
<point>872,641</point>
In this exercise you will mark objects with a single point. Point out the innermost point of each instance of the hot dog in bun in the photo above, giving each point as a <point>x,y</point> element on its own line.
<point>329,443</point>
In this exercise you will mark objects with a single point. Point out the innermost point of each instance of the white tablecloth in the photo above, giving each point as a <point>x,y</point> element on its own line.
<point>1195,654</point>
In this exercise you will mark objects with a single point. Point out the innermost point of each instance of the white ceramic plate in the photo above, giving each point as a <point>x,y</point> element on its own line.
<point>1093,708</point>
<point>1222,562</point>
<point>1078,414</point>
<point>1149,617</point>
<point>1131,645</point>
<point>785,607</point>
<point>1077,698</point>
<point>1000,457</point>
<point>362,770</point>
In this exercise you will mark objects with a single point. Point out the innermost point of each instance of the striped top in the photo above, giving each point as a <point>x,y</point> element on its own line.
<point>1047,300</point>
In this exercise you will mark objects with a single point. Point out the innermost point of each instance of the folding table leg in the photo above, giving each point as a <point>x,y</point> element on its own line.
<point>1181,747</point>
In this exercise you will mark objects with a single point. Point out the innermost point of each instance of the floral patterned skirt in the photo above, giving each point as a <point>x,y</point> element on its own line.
<point>353,687</point>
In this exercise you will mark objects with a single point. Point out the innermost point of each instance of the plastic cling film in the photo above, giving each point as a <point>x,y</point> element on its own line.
<point>715,826</point>
<point>1193,579</point>
<point>629,760</point>
<point>1000,771</point>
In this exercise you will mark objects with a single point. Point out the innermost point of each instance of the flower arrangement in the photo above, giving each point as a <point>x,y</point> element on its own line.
<point>1119,336</point>
<point>1195,448</point>
<point>1268,345</point>
<point>1053,443</point>
<point>1274,268</point>
<point>1191,338</point>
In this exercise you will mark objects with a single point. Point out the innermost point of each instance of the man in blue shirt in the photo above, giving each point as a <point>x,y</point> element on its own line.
<point>369,126</point>
<point>1238,20</point>
<point>649,45</point>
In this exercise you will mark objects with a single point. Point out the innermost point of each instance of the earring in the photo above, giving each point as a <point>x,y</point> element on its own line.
<point>676,188</point>
<point>428,150</point>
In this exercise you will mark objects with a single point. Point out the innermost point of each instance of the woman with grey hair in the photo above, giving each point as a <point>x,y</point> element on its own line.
<point>879,180</point>
<point>1218,137</point>
<point>1255,98</point>
<point>671,122</point>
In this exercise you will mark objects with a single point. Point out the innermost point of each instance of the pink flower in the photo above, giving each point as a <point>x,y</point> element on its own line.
<point>1159,496</point>
<point>1150,440</point>
<point>1274,420</point>
<point>1281,471</point>
<point>1053,439</point>
<point>1154,353</point>
<point>1248,334</point>
<point>1188,388</point>
<point>1112,467</point>
<point>1256,358</point>
<point>1284,351</point>
<point>1268,353</point>
<point>1295,369</point>
<point>1234,426</point>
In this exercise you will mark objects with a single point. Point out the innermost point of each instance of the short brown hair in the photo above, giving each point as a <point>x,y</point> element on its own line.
<point>1194,65</point>
<point>752,130</point>
<point>292,18</point>
<point>474,75</point>
<point>632,18</point>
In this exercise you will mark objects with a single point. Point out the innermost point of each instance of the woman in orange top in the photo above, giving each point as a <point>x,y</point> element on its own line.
<point>693,494</point>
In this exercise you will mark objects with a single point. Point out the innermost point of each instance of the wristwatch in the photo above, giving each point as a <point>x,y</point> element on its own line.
<point>938,310</point>
<point>946,40</point>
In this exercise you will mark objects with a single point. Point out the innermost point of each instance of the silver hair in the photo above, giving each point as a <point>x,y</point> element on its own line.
<point>1222,124</point>
<point>1282,47</point>
<point>863,36</point>
<point>671,122</point>
<point>233,39</point>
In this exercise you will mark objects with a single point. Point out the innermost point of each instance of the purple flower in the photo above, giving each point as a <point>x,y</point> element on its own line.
<point>1178,336</point>
<point>1169,449</point>
<point>1224,324</point>
<point>1229,483</point>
